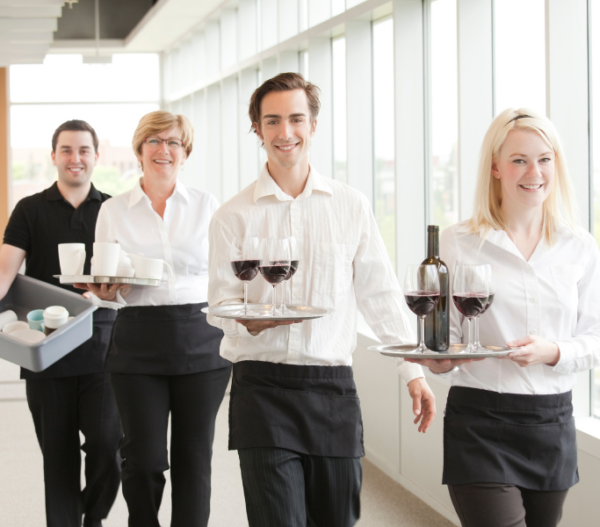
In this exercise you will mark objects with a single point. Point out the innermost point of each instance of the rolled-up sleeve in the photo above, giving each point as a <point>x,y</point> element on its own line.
<point>582,351</point>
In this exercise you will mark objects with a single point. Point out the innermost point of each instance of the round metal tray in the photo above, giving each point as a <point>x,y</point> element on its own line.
<point>261,312</point>
<point>455,351</point>
<point>89,279</point>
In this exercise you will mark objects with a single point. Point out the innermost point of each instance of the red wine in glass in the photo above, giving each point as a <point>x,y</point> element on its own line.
<point>470,304</point>
<point>245,270</point>
<point>275,273</point>
<point>293,269</point>
<point>489,303</point>
<point>421,303</point>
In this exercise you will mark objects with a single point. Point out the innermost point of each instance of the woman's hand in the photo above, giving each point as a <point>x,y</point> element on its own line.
<point>106,292</point>
<point>534,350</point>
<point>441,365</point>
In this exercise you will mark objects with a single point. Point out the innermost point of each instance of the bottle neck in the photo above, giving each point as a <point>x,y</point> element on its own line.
<point>433,245</point>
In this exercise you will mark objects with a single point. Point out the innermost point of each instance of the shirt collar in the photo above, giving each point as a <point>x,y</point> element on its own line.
<point>266,186</point>
<point>502,240</point>
<point>137,193</point>
<point>53,194</point>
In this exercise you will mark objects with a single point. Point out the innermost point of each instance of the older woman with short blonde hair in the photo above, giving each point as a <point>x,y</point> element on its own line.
<point>164,357</point>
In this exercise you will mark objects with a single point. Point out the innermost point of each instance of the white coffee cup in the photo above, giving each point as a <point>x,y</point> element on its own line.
<point>72,258</point>
<point>149,267</point>
<point>106,258</point>
<point>7,317</point>
<point>55,317</point>
<point>11,327</point>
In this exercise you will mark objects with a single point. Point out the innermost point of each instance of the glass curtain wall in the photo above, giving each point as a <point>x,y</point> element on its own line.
<point>383,133</point>
<point>595,118</point>
<point>443,57</point>
<point>112,98</point>
<point>520,55</point>
<point>338,58</point>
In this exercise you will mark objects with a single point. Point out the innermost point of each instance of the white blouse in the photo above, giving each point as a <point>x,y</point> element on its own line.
<point>556,294</point>
<point>180,239</point>
<point>344,266</point>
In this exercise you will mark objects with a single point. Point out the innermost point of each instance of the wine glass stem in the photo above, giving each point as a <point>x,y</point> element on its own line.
<point>273,303</point>
<point>245,298</point>
<point>422,333</point>
<point>476,332</point>
<point>469,334</point>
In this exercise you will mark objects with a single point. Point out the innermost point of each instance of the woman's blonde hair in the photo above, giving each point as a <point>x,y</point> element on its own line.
<point>559,206</point>
<point>157,122</point>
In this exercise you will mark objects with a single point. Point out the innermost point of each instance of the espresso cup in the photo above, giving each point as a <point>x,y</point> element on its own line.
<point>35,319</point>
<point>54,317</point>
<point>6,317</point>
<point>72,258</point>
<point>106,258</point>
<point>149,267</point>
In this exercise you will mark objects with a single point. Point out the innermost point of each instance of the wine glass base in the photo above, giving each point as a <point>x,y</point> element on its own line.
<point>413,348</point>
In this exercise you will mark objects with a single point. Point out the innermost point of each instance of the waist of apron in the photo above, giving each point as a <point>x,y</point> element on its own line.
<point>516,439</point>
<point>164,340</point>
<point>312,410</point>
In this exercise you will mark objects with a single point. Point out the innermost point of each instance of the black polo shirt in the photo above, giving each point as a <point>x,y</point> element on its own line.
<point>37,225</point>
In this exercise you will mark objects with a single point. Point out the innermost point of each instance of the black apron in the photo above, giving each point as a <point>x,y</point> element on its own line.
<point>523,440</point>
<point>164,340</point>
<point>311,410</point>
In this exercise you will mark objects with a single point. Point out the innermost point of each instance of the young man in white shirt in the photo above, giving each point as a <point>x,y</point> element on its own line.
<point>295,415</point>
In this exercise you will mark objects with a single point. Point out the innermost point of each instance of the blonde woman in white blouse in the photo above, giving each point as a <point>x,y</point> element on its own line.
<point>510,454</point>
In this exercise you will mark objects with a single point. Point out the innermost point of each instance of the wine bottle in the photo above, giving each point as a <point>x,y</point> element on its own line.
<point>437,324</point>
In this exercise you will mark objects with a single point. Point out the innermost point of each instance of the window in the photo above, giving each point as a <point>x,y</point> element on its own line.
<point>520,55</point>
<point>338,46</point>
<point>112,98</point>
<point>383,134</point>
<point>595,97</point>
<point>443,185</point>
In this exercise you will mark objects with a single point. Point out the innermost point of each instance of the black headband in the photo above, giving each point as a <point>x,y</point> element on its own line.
<point>519,117</point>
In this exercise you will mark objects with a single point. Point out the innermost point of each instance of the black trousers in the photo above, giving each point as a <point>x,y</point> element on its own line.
<point>499,505</point>
<point>287,489</point>
<point>61,408</point>
<point>145,402</point>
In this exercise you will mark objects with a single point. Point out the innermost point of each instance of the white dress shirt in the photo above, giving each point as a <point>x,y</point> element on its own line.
<point>556,294</point>
<point>344,263</point>
<point>180,239</point>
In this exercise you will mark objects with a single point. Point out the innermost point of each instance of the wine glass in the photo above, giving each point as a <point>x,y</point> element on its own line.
<point>295,257</point>
<point>422,293</point>
<point>470,294</point>
<point>274,263</point>
<point>244,256</point>
<point>476,343</point>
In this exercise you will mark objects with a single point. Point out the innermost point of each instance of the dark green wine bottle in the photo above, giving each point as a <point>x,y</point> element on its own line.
<point>437,323</point>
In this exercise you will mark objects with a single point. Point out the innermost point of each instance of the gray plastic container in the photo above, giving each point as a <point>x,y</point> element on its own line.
<point>27,294</point>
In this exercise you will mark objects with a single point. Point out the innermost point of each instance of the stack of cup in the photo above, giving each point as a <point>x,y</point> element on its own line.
<point>54,317</point>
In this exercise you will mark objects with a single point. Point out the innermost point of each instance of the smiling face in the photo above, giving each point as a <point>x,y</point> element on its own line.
<point>74,157</point>
<point>525,167</point>
<point>163,160</point>
<point>286,128</point>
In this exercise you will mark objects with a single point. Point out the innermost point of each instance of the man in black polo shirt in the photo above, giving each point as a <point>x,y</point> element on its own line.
<point>74,394</point>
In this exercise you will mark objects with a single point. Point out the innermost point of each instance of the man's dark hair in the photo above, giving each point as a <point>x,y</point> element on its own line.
<point>284,82</point>
<point>75,126</point>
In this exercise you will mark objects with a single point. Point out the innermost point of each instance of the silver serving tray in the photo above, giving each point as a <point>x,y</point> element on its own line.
<point>89,279</point>
<point>455,351</point>
<point>261,312</point>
